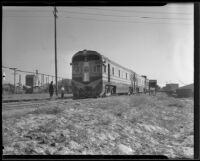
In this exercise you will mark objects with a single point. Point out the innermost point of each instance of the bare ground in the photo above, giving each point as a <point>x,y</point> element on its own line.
<point>132,125</point>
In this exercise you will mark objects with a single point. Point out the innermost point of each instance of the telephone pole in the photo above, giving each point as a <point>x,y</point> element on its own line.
<point>55,16</point>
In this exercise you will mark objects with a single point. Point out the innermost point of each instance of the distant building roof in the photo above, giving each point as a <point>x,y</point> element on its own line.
<point>190,86</point>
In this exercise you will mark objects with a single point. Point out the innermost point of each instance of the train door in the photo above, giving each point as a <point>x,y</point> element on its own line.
<point>108,72</point>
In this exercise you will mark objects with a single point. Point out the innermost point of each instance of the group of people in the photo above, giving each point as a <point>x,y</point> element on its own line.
<point>51,90</point>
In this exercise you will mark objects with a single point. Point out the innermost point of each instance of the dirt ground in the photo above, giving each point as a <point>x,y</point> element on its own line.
<point>117,125</point>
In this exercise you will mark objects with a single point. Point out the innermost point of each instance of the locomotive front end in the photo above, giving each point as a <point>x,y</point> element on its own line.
<point>86,74</point>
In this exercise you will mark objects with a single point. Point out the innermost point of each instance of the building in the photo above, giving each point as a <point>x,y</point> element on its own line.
<point>185,91</point>
<point>171,87</point>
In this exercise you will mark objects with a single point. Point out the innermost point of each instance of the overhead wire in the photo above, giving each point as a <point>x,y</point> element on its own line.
<point>123,15</point>
<point>105,20</point>
<point>121,21</point>
<point>145,17</point>
<point>132,11</point>
<point>75,12</point>
<point>23,71</point>
<point>100,14</point>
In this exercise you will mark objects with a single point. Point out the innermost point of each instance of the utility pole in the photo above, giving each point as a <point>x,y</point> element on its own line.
<point>55,16</point>
<point>14,69</point>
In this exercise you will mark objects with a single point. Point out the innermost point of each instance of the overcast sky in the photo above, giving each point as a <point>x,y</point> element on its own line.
<point>152,41</point>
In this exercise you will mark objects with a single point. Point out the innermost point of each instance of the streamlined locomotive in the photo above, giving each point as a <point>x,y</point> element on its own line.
<point>95,75</point>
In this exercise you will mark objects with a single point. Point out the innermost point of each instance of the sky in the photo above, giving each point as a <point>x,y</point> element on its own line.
<point>153,41</point>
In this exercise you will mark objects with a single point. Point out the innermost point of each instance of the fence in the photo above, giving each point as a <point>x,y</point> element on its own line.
<point>14,80</point>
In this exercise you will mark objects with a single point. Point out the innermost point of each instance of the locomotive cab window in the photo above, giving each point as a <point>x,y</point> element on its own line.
<point>76,68</point>
<point>93,57</point>
<point>78,58</point>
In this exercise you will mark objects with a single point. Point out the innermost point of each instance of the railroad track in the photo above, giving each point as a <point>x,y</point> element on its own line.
<point>30,104</point>
<point>21,104</point>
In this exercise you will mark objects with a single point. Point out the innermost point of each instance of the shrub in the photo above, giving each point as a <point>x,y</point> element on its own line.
<point>105,120</point>
<point>49,110</point>
<point>176,103</point>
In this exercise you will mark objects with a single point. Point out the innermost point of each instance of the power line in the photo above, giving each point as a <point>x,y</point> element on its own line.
<point>144,17</point>
<point>121,21</point>
<point>123,15</point>
<point>23,71</point>
<point>105,14</point>
<point>131,11</point>
<point>27,11</point>
<point>28,16</point>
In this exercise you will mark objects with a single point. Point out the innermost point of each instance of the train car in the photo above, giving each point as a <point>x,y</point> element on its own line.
<point>116,78</point>
<point>95,75</point>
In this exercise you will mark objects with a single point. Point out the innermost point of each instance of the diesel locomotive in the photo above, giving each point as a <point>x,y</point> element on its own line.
<point>95,75</point>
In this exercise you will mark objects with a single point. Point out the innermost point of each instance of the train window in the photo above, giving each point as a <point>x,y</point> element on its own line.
<point>76,69</point>
<point>104,68</point>
<point>119,72</point>
<point>113,72</point>
<point>78,58</point>
<point>93,57</point>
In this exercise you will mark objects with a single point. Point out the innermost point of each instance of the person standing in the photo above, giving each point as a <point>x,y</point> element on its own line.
<point>51,89</point>
<point>62,91</point>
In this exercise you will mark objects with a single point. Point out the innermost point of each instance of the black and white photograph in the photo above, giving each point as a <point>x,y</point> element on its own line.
<point>98,80</point>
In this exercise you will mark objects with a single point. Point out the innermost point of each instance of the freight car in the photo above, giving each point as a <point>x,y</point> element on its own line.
<point>95,75</point>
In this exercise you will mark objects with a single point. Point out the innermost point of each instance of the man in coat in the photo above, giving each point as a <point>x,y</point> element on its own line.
<point>51,89</point>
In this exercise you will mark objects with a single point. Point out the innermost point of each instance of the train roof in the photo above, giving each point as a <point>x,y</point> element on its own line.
<point>106,58</point>
<point>88,52</point>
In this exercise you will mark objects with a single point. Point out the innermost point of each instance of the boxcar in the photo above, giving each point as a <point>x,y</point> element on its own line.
<point>95,75</point>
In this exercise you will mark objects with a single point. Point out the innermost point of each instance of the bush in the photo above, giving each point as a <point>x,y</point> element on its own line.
<point>49,110</point>
<point>176,103</point>
<point>140,101</point>
<point>105,120</point>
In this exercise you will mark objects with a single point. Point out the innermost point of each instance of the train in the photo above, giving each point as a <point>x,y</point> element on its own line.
<point>94,75</point>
